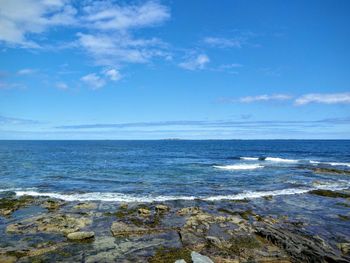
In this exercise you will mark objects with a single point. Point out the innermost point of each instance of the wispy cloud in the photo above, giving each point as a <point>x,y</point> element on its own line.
<point>62,86</point>
<point>224,42</point>
<point>108,16</point>
<point>93,81</point>
<point>195,62</point>
<point>330,98</point>
<point>213,124</point>
<point>113,74</point>
<point>274,97</point>
<point>16,121</point>
<point>26,71</point>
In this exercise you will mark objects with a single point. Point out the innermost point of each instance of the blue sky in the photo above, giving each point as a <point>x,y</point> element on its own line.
<point>233,69</point>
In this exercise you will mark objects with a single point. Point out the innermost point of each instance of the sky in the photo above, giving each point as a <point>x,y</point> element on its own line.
<point>199,69</point>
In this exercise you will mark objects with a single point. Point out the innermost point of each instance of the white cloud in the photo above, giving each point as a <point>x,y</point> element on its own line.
<point>276,97</point>
<point>196,62</point>
<point>108,16</point>
<point>19,18</point>
<point>26,71</point>
<point>331,98</point>
<point>62,86</point>
<point>94,81</point>
<point>113,74</point>
<point>224,42</point>
<point>114,49</point>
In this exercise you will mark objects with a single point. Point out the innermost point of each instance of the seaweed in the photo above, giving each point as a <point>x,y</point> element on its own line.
<point>165,255</point>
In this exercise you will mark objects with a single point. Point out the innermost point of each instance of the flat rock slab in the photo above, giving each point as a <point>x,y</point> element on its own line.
<point>80,235</point>
<point>198,258</point>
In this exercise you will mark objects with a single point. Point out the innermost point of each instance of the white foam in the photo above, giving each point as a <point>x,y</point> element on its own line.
<point>280,160</point>
<point>314,162</point>
<point>340,164</point>
<point>107,197</point>
<point>249,158</point>
<point>119,197</point>
<point>239,167</point>
<point>331,163</point>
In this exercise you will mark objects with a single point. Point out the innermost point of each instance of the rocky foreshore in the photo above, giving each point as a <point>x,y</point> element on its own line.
<point>50,230</point>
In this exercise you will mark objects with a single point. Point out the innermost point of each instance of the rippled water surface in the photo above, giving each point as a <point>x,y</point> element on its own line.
<point>168,170</point>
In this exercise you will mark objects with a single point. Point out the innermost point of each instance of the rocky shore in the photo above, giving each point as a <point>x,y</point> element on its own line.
<point>50,230</point>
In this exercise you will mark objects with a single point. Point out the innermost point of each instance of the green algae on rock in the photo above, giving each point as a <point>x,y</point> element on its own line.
<point>9,205</point>
<point>166,255</point>
<point>329,193</point>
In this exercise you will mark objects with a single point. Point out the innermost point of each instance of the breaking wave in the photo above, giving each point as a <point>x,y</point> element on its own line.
<point>239,167</point>
<point>280,160</point>
<point>119,197</point>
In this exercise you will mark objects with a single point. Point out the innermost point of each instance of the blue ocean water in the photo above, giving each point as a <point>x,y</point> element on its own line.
<point>171,169</point>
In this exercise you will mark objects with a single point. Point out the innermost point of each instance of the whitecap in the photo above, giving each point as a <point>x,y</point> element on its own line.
<point>249,158</point>
<point>280,160</point>
<point>119,197</point>
<point>239,167</point>
<point>339,164</point>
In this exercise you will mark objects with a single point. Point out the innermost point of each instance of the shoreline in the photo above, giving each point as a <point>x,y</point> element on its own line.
<point>41,229</point>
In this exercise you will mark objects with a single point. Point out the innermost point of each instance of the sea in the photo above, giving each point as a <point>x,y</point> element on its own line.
<point>165,170</point>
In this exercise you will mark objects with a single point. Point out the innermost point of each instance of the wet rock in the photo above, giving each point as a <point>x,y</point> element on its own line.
<point>125,230</point>
<point>198,258</point>
<point>330,171</point>
<point>85,206</point>
<point>162,208</point>
<point>344,247</point>
<point>214,241</point>
<point>7,259</point>
<point>52,204</point>
<point>123,205</point>
<point>57,223</point>
<point>189,237</point>
<point>169,255</point>
<point>268,197</point>
<point>10,204</point>
<point>329,193</point>
<point>43,250</point>
<point>301,248</point>
<point>144,211</point>
<point>80,235</point>
<point>189,211</point>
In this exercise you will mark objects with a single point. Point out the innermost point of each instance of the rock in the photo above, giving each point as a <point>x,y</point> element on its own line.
<point>301,248</point>
<point>52,204</point>
<point>144,211</point>
<point>162,208</point>
<point>180,261</point>
<point>330,193</point>
<point>189,238</point>
<point>330,171</point>
<point>7,259</point>
<point>57,223</point>
<point>189,211</point>
<point>123,205</point>
<point>198,258</point>
<point>125,230</point>
<point>344,247</point>
<point>10,204</point>
<point>214,241</point>
<point>80,235</point>
<point>85,206</point>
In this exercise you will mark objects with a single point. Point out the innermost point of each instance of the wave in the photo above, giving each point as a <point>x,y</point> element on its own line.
<point>331,163</point>
<point>119,197</point>
<point>280,160</point>
<point>239,166</point>
<point>340,164</point>
<point>249,158</point>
